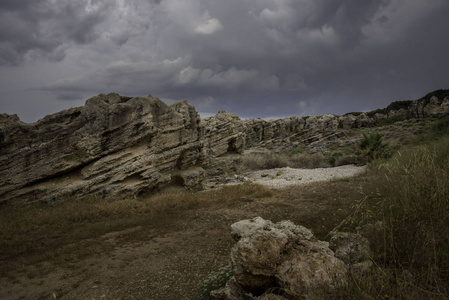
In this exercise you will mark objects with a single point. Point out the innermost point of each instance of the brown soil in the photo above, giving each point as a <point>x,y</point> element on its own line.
<point>170,257</point>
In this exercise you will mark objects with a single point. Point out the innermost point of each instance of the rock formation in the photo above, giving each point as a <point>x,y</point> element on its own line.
<point>280,257</point>
<point>111,146</point>
<point>118,146</point>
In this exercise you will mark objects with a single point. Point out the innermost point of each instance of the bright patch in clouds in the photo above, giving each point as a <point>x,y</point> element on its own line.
<point>209,27</point>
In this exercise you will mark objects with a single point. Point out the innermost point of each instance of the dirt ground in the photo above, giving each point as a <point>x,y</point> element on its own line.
<point>170,257</point>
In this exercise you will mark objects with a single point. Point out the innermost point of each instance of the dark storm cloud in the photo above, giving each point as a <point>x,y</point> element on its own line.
<point>253,57</point>
<point>45,28</point>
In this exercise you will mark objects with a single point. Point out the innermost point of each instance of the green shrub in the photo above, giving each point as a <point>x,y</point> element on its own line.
<point>440,94</point>
<point>372,145</point>
<point>396,105</point>
<point>214,281</point>
<point>332,157</point>
<point>297,150</point>
<point>441,127</point>
<point>389,121</point>
<point>353,113</point>
<point>377,111</point>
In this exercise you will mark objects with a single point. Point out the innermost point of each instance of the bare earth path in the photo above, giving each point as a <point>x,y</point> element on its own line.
<point>168,258</point>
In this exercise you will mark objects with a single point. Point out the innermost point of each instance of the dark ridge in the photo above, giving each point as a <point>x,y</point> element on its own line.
<point>396,105</point>
<point>440,94</point>
<point>353,113</point>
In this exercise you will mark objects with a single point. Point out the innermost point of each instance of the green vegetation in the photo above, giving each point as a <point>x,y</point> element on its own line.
<point>389,121</point>
<point>80,155</point>
<point>439,128</point>
<point>440,94</point>
<point>354,113</point>
<point>373,112</point>
<point>215,281</point>
<point>297,150</point>
<point>372,146</point>
<point>396,105</point>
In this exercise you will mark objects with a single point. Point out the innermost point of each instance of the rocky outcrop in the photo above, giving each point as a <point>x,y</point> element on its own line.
<point>111,146</point>
<point>318,133</point>
<point>283,257</point>
<point>224,141</point>
<point>118,146</point>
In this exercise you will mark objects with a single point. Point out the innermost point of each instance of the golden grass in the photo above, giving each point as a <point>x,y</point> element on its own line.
<point>261,161</point>
<point>38,232</point>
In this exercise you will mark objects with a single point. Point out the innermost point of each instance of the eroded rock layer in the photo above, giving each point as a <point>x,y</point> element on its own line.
<point>118,146</point>
<point>111,146</point>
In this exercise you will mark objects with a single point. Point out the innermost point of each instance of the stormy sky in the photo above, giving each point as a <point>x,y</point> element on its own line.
<point>255,58</point>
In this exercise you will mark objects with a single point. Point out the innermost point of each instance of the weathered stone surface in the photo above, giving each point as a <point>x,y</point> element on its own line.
<point>224,141</point>
<point>111,146</point>
<point>285,256</point>
<point>232,291</point>
<point>351,248</point>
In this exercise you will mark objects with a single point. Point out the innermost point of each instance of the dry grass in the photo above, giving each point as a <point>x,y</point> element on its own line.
<point>260,161</point>
<point>36,233</point>
<point>408,195</point>
<point>408,200</point>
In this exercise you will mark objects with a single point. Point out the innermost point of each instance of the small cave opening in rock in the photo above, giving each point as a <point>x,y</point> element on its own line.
<point>232,148</point>
<point>177,180</point>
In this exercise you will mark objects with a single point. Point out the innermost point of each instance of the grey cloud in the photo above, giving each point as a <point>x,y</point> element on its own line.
<point>255,57</point>
<point>43,28</point>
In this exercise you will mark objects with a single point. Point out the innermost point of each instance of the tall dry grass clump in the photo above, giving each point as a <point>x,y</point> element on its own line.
<point>260,161</point>
<point>409,199</point>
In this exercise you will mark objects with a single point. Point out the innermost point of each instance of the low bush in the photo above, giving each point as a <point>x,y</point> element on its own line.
<point>293,159</point>
<point>213,282</point>
<point>389,121</point>
<point>372,147</point>
<point>440,94</point>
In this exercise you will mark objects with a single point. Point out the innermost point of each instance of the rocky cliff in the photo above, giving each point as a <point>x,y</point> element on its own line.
<point>314,133</point>
<point>118,146</point>
<point>111,146</point>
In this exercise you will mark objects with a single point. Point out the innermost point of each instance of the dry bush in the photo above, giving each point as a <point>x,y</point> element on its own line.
<point>260,161</point>
<point>308,161</point>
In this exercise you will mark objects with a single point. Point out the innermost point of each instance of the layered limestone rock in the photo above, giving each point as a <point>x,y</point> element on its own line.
<point>306,132</point>
<point>224,141</point>
<point>122,146</point>
<point>318,133</point>
<point>111,146</point>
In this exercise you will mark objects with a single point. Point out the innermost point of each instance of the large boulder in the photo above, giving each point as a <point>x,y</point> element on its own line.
<point>283,256</point>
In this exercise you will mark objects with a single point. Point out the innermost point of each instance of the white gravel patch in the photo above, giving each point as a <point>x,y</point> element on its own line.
<point>282,177</point>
